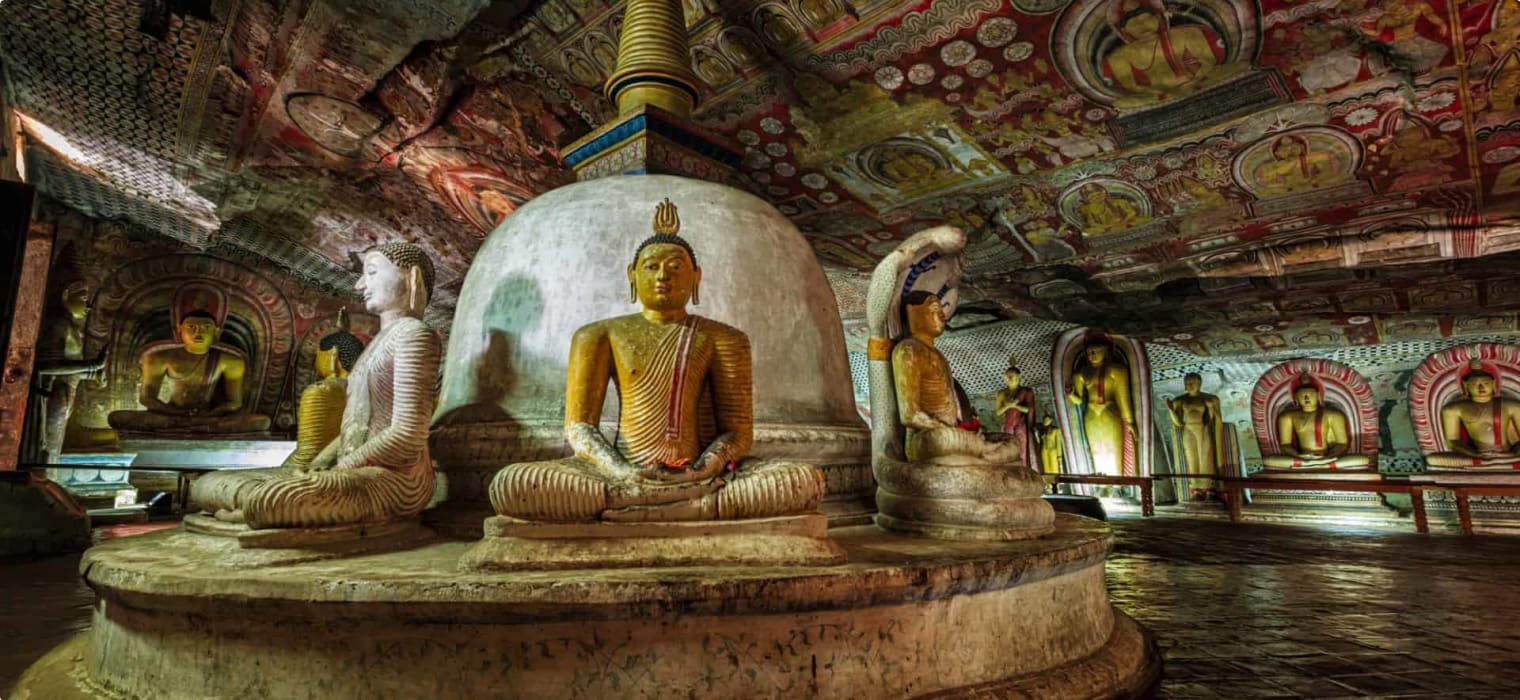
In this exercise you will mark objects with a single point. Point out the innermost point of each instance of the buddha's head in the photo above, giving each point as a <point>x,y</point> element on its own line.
<point>926,314</point>
<point>337,352</point>
<point>664,275</point>
<point>1093,194</point>
<point>197,331</point>
<point>1097,354</point>
<point>1192,383</point>
<point>1137,19</point>
<point>396,277</point>
<point>1047,421</point>
<point>1013,377</point>
<point>1479,385</point>
<point>1307,398</point>
<point>1288,147</point>
<point>76,300</point>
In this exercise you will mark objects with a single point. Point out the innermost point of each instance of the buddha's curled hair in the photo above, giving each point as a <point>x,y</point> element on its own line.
<point>407,255</point>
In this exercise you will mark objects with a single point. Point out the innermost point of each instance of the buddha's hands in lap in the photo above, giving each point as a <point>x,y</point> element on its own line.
<point>638,491</point>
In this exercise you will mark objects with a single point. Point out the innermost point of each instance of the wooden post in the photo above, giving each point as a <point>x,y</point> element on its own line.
<point>26,294</point>
<point>1464,510</point>
<point>1417,502</point>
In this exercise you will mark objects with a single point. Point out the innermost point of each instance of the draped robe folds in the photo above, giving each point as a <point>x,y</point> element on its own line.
<point>693,387</point>
<point>925,385</point>
<point>1020,424</point>
<point>381,468</point>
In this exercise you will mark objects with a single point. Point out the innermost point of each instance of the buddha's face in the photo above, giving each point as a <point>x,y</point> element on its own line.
<point>1287,149</point>
<point>1013,379</point>
<point>382,283</point>
<point>76,300</point>
<point>664,276</point>
<point>1307,399</point>
<point>927,318</point>
<point>1479,387</point>
<point>1142,24</point>
<point>327,362</point>
<point>197,333</point>
<point>1192,384</point>
<point>1096,354</point>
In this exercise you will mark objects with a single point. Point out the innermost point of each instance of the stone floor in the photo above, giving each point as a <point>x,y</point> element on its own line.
<point>1241,611</point>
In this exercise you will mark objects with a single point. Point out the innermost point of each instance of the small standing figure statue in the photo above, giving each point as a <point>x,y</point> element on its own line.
<point>1197,432</point>
<point>1015,405</point>
<point>60,367</point>
<point>1052,451</point>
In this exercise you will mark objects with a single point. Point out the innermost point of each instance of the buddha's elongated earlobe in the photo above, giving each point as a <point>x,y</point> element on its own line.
<point>696,289</point>
<point>633,290</point>
<point>415,291</point>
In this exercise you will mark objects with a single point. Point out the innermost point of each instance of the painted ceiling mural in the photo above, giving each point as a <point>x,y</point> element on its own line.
<point>1226,176</point>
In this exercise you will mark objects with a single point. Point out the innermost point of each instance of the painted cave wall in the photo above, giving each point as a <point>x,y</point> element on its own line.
<point>275,316</point>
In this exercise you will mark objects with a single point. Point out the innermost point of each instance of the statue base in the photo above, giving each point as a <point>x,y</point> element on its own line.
<point>905,617</point>
<point>970,501</point>
<point>519,545</point>
<point>349,537</point>
<point>1361,474</point>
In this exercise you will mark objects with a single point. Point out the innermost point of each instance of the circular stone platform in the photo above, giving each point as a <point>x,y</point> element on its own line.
<point>904,618</point>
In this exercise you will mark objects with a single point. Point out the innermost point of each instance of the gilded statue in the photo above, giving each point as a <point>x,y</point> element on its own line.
<point>1015,405</point>
<point>1199,430</point>
<point>1481,429</point>
<point>1156,61</point>
<point>1052,450</point>
<point>377,469</point>
<point>937,474</point>
<point>320,419</point>
<point>61,365</point>
<point>1101,389</point>
<point>685,423</point>
<point>1312,434</point>
<point>192,386</point>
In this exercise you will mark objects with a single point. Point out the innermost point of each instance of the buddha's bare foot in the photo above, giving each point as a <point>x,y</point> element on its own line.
<point>229,516</point>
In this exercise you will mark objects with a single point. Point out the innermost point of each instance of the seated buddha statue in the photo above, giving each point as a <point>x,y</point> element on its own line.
<point>191,386</point>
<point>377,469</point>
<point>685,420</point>
<point>321,412</point>
<point>1482,429</point>
<point>1313,435</point>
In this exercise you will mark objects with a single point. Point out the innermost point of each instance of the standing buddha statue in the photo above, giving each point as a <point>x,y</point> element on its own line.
<point>1199,433</point>
<point>377,469</point>
<point>322,404</point>
<point>1015,405</point>
<point>685,420</point>
<point>1102,390</point>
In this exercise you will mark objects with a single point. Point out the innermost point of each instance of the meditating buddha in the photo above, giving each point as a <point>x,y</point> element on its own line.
<point>321,413</point>
<point>377,469</point>
<point>1101,389</point>
<point>191,386</point>
<point>1482,429</point>
<point>685,420</point>
<point>1311,434</point>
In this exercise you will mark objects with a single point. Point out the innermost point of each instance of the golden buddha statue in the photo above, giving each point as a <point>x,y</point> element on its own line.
<point>1156,61</point>
<point>1199,431</point>
<point>322,404</point>
<point>1052,450</point>
<point>1311,434</point>
<point>377,469</point>
<point>1482,429</point>
<point>191,386</point>
<point>1102,390</point>
<point>61,365</point>
<point>685,419</point>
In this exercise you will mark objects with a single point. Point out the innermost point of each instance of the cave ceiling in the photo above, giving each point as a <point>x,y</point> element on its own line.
<point>1226,176</point>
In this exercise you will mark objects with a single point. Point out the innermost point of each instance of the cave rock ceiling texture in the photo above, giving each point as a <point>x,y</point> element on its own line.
<point>1198,172</point>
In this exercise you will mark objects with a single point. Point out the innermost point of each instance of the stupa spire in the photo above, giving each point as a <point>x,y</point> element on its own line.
<point>653,63</point>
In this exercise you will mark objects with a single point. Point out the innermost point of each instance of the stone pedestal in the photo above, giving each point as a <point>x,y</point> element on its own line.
<point>904,617</point>
<point>207,451</point>
<point>519,545</point>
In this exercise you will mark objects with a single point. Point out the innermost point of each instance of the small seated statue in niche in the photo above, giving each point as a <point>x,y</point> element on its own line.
<point>685,422</point>
<point>322,404</point>
<point>926,397</point>
<point>1313,435</point>
<point>377,469</point>
<point>1482,429</point>
<point>181,381</point>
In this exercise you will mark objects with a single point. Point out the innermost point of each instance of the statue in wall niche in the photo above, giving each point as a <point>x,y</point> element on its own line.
<point>1199,430</point>
<point>1101,391</point>
<point>1051,448</point>
<point>1015,405</point>
<point>377,469</point>
<point>1481,429</point>
<point>322,404</point>
<point>685,421</point>
<point>1312,434</point>
<point>937,474</point>
<point>193,385</point>
<point>61,365</point>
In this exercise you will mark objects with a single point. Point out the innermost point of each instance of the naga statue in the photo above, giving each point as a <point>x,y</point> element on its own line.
<point>937,475</point>
<point>193,386</point>
<point>377,469</point>
<point>321,413</point>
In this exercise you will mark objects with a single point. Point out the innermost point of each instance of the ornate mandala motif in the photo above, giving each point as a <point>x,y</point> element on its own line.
<point>747,137</point>
<point>1018,51</point>
<point>889,77</point>
<point>921,74</point>
<point>772,125</point>
<point>815,181</point>
<point>996,31</point>
<point>957,53</point>
<point>952,82</point>
<point>980,68</point>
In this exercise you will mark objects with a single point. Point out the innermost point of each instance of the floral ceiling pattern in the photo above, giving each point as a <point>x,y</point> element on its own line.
<point>1228,176</point>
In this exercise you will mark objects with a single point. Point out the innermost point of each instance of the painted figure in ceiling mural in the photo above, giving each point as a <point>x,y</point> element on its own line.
<point>1481,429</point>
<point>1104,214</point>
<point>1156,60</point>
<point>1294,165</point>
<point>1198,433</point>
<point>1419,158</point>
<point>1100,389</point>
<point>1504,83</point>
<point>1397,22</point>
